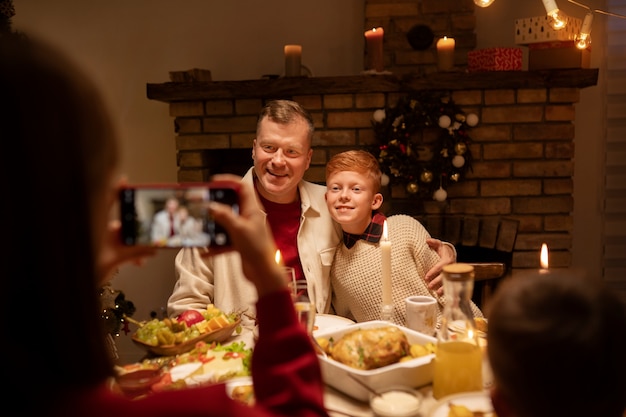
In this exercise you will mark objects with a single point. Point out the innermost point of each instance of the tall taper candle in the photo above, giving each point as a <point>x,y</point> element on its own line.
<point>385,251</point>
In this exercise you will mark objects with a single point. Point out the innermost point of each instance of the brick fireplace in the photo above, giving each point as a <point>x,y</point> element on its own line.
<point>523,147</point>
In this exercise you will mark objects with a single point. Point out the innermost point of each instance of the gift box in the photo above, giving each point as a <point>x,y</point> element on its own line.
<point>495,59</point>
<point>550,55</point>
<point>537,29</point>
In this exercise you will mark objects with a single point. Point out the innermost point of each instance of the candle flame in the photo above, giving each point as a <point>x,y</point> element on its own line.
<point>385,234</point>
<point>277,257</point>
<point>544,256</point>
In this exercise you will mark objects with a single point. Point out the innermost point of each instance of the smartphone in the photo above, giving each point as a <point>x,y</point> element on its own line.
<point>175,215</point>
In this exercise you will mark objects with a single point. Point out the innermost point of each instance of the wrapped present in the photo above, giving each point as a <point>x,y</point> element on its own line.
<point>537,29</point>
<point>495,59</point>
<point>551,55</point>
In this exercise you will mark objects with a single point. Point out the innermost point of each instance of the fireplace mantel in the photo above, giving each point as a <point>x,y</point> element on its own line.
<point>447,81</point>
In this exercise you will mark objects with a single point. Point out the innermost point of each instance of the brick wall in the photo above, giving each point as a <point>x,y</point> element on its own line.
<point>522,155</point>
<point>523,148</point>
<point>451,18</point>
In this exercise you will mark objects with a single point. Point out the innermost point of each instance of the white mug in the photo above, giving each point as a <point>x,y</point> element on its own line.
<point>421,313</point>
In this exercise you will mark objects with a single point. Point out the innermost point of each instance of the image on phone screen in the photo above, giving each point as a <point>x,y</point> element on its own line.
<point>173,216</point>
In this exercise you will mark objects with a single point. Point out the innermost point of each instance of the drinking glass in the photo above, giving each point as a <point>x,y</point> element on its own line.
<point>304,304</point>
<point>290,275</point>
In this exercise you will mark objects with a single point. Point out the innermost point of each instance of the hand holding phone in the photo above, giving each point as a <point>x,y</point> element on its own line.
<point>175,215</point>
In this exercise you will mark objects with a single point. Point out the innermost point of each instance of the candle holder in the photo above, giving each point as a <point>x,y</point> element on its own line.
<point>386,311</point>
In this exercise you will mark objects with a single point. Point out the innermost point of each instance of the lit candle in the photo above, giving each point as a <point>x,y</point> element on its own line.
<point>374,38</point>
<point>445,54</point>
<point>385,249</point>
<point>289,271</point>
<point>293,59</point>
<point>543,259</point>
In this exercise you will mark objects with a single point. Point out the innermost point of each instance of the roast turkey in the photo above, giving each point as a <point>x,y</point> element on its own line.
<point>370,348</point>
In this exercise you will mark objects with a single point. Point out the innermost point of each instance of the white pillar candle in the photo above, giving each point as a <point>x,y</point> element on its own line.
<point>385,251</point>
<point>293,60</point>
<point>374,38</point>
<point>445,54</point>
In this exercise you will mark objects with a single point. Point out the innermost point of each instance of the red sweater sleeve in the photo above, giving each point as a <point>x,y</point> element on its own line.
<point>285,367</point>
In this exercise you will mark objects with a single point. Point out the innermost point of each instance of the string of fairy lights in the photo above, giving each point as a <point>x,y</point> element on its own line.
<point>558,19</point>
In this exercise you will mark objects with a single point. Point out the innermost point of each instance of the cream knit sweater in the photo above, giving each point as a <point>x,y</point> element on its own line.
<point>356,273</point>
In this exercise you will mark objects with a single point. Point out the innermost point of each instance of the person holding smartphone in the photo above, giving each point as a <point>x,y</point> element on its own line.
<point>296,211</point>
<point>56,360</point>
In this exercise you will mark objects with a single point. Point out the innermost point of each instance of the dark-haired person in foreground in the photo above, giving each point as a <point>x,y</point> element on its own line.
<point>556,344</point>
<point>56,362</point>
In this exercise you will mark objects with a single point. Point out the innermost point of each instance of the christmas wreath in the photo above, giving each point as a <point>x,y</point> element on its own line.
<point>406,154</point>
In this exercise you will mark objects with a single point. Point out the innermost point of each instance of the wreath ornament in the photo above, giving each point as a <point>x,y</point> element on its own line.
<point>423,144</point>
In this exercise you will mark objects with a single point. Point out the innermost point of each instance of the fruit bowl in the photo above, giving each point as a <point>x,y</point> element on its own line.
<point>219,335</point>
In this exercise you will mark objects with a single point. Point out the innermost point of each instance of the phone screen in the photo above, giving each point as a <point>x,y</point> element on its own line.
<point>174,216</point>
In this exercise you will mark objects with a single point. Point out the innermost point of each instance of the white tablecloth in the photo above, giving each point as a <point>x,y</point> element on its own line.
<point>340,404</point>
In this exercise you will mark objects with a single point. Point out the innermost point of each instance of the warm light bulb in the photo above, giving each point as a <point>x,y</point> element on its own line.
<point>483,3</point>
<point>583,38</point>
<point>557,19</point>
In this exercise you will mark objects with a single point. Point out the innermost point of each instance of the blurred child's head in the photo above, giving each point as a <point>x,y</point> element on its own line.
<point>352,189</point>
<point>545,331</point>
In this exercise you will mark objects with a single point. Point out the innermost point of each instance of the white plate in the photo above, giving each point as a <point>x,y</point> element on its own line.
<point>475,401</point>
<point>237,382</point>
<point>458,326</point>
<point>183,370</point>
<point>325,322</point>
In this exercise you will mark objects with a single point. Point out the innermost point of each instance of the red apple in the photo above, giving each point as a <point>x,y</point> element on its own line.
<point>190,317</point>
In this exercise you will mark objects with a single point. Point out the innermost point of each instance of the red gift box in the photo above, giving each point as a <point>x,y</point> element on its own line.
<point>561,54</point>
<point>495,59</point>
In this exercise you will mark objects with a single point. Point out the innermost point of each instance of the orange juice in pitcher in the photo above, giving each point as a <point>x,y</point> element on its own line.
<point>459,359</point>
<point>458,368</point>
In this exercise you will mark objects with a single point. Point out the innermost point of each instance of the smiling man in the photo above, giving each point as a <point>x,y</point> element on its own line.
<point>302,227</point>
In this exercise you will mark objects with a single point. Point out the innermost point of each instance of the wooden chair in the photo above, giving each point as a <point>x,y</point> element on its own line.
<point>485,242</point>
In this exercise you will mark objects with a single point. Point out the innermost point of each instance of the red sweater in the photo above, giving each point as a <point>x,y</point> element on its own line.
<point>285,369</point>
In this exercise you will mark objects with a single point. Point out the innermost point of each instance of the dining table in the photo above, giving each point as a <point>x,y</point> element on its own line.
<point>338,403</point>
